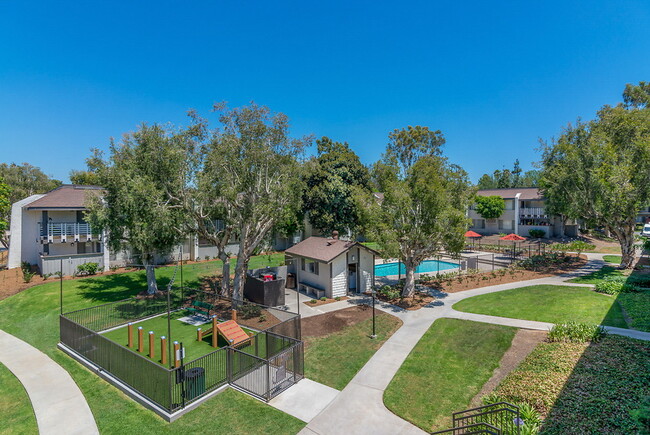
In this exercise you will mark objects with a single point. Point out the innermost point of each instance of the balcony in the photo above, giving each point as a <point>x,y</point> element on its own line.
<point>532,212</point>
<point>67,232</point>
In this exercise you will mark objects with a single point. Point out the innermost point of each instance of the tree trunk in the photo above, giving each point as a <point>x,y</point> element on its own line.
<point>625,237</point>
<point>409,283</point>
<point>152,285</point>
<point>240,277</point>
<point>225,279</point>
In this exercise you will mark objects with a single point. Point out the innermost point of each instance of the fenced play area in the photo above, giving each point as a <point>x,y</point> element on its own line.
<point>175,352</point>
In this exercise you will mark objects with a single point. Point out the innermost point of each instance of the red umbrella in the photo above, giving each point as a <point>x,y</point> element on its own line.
<point>515,238</point>
<point>472,234</point>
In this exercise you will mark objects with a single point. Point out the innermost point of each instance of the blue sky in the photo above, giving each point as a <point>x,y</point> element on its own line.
<point>493,76</point>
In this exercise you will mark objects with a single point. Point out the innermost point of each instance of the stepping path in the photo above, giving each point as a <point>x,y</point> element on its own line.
<point>58,404</point>
<point>359,407</point>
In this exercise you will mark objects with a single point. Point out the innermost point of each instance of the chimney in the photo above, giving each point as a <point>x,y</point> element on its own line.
<point>335,235</point>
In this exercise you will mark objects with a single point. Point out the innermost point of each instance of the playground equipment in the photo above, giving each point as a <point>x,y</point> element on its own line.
<point>229,330</point>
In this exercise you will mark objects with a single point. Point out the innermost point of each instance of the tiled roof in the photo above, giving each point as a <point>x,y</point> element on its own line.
<point>526,193</point>
<point>68,196</point>
<point>322,249</point>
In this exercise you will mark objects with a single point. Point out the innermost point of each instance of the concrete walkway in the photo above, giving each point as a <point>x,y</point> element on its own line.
<point>360,409</point>
<point>58,404</point>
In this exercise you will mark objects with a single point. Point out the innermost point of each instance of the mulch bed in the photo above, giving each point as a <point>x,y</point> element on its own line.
<point>519,275</point>
<point>325,324</point>
<point>326,301</point>
<point>415,303</point>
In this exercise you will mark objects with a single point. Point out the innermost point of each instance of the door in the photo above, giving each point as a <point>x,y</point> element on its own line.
<point>352,278</point>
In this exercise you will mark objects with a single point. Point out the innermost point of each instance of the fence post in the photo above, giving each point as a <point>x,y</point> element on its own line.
<point>130,332</point>
<point>214,331</point>
<point>492,262</point>
<point>152,348</point>
<point>163,350</point>
<point>140,340</point>
<point>268,380</point>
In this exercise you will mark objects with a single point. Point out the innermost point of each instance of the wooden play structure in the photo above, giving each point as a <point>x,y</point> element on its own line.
<point>229,330</point>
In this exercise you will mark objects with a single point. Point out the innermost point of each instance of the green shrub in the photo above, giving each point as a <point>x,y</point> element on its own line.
<point>338,298</point>
<point>642,415</point>
<point>613,285</point>
<point>323,298</point>
<point>389,293</point>
<point>574,332</point>
<point>250,310</point>
<point>87,269</point>
<point>27,276</point>
<point>536,233</point>
<point>313,301</point>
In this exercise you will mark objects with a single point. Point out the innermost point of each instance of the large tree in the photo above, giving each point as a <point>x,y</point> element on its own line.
<point>600,170</point>
<point>5,210</point>
<point>489,207</point>
<point>23,181</point>
<point>331,181</point>
<point>424,200</point>
<point>139,210</point>
<point>255,171</point>
<point>507,178</point>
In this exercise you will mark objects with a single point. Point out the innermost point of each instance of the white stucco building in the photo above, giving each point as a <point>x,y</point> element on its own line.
<point>331,267</point>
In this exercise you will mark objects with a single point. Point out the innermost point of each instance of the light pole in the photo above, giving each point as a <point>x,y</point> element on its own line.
<point>374,331</point>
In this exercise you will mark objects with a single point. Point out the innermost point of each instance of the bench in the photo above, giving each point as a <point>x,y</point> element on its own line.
<point>319,293</point>
<point>201,308</point>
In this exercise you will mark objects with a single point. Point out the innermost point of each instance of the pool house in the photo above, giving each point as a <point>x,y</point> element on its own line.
<point>330,267</point>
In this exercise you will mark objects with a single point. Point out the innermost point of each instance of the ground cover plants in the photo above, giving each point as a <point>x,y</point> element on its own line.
<point>548,303</point>
<point>445,370</point>
<point>583,387</point>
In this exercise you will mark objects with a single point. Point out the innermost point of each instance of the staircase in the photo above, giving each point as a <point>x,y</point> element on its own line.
<point>496,419</point>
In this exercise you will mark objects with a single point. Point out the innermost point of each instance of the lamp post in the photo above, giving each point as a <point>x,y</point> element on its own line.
<point>374,331</point>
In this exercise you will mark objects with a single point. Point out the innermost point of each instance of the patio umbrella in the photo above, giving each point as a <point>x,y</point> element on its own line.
<point>472,235</point>
<point>515,238</point>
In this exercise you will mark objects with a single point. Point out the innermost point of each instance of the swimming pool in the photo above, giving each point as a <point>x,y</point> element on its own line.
<point>426,266</point>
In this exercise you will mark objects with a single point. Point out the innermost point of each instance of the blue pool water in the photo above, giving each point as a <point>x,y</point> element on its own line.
<point>427,266</point>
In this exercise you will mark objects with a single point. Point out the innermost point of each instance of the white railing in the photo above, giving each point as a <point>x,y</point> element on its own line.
<point>532,212</point>
<point>66,229</point>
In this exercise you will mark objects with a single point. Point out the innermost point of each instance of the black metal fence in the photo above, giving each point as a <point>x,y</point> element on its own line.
<point>500,418</point>
<point>266,364</point>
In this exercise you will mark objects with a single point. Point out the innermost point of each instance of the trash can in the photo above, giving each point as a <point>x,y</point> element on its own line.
<point>291,280</point>
<point>194,382</point>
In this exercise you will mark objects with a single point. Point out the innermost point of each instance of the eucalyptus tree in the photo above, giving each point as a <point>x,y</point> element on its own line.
<point>140,210</point>
<point>254,168</point>
<point>5,210</point>
<point>600,170</point>
<point>425,198</point>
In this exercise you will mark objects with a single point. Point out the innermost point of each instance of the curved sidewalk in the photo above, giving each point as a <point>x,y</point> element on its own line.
<point>58,404</point>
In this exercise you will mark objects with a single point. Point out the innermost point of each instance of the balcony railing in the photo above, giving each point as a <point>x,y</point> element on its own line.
<point>532,212</point>
<point>67,230</point>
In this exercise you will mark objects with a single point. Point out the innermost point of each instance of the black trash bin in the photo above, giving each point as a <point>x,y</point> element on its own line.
<point>194,382</point>
<point>291,280</point>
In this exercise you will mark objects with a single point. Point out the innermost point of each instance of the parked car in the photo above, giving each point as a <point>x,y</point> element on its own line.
<point>646,230</point>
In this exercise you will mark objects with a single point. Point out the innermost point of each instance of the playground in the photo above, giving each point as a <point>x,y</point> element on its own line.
<point>184,328</point>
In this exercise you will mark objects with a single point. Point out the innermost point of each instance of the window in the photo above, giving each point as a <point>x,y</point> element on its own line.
<point>310,266</point>
<point>506,225</point>
<point>510,204</point>
<point>478,223</point>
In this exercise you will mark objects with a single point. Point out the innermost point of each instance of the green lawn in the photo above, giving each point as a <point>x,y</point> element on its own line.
<point>446,369</point>
<point>333,360</point>
<point>597,276</point>
<point>548,303</point>
<point>15,407</point>
<point>32,315</point>
<point>614,259</point>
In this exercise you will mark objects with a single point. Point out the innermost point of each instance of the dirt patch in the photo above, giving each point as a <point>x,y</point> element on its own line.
<point>325,324</point>
<point>418,301</point>
<point>523,343</point>
<point>326,301</point>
